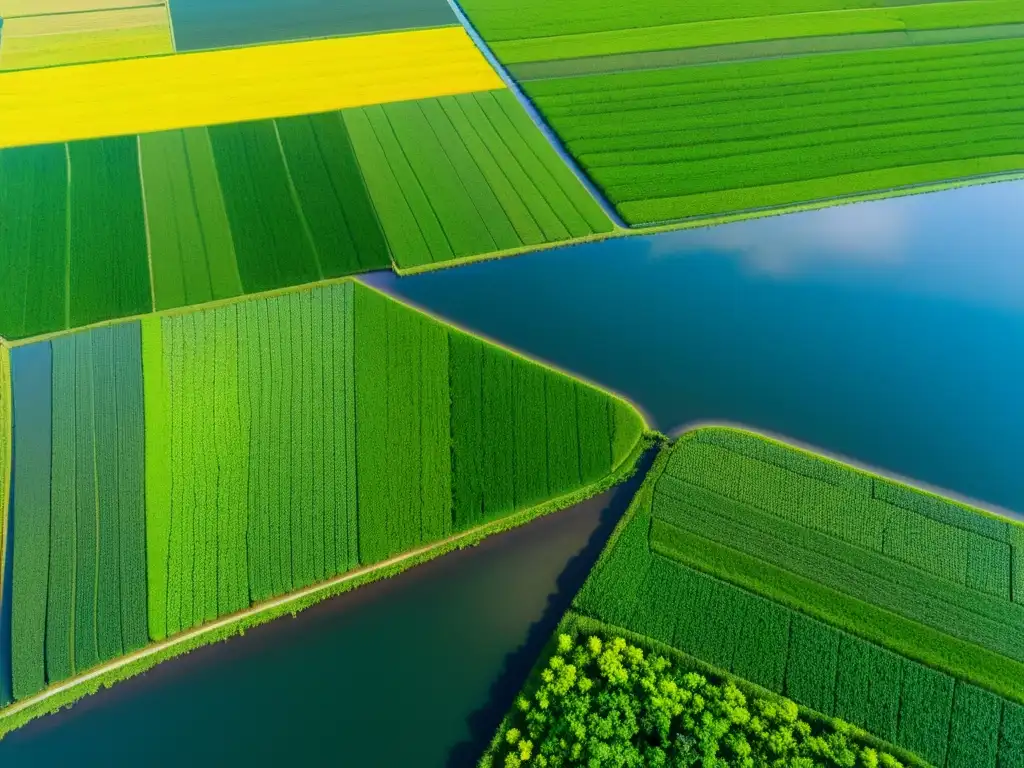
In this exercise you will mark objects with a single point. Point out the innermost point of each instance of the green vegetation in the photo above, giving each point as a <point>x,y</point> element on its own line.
<point>5,482</point>
<point>107,264</point>
<point>669,137</point>
<point>33,240</point>
<point>462,176</point>
<point>857,597</point>
<point>79,538</point>
<point>191,248</point>
<point>516,20</point>
<point>603,701</point>
<point>765,21</point>
<point>102,229</point>
<point>182,476</point>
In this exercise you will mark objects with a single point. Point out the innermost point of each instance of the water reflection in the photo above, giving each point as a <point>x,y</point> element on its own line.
<point>891,332</point>
<point>965,244</point>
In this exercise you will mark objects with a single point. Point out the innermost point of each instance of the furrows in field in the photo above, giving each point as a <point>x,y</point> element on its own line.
<point>465,176</point>
<point>680,143</point>
<point>259,491</point>
<point>859,597</point>
<point>80,505</point>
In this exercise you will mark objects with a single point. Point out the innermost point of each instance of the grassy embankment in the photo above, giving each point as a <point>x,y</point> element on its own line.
<point>858,597</point>
<point>225,481</point>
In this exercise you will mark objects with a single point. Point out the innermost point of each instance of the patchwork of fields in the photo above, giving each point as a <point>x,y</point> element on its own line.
<point>107,228</point>
<point>183,468</point>
<point>47,33</point>
<point>688,111</point>
<point>858,598</point>
<point>194,178</point>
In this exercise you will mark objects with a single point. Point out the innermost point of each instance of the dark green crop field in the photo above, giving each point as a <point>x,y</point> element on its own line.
<point>191,466</point>
<point>102,229</point>
<point>675,113</point>
<point>859,598</point>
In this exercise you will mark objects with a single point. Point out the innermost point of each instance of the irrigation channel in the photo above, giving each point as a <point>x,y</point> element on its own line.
<point>888,332</point>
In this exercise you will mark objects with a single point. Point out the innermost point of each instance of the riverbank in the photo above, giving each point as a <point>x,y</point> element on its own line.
<point>66,693</point>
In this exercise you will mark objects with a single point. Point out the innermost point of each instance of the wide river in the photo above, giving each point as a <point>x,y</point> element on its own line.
<point>890,332</point>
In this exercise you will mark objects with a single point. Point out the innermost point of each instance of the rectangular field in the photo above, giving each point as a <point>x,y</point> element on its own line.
<point>671,129</point>
<point>204,24</point>
<point>855,596</point>
<point>84,35</point>
<point>209,213</point>
<point>464,176</point>
<point>226,86</point>
<point>79,543</point>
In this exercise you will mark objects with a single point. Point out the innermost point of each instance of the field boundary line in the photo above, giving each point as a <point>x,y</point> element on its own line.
<point>145,221</point>
<point>7,455</point>
<point>296,200</point>
<point>552,138</point>
<point>170,26</point>
<point>271,609</point>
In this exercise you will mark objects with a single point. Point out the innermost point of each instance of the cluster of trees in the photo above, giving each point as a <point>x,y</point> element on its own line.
<point>610,703</point>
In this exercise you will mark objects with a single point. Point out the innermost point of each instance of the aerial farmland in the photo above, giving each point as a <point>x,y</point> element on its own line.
<point>591,383</point>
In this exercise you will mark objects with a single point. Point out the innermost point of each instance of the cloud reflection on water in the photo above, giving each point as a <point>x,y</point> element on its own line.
<point>920,242</point>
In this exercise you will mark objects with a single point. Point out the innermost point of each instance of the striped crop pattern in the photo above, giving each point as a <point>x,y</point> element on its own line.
<point>79,540</point>
<point>858,597</point>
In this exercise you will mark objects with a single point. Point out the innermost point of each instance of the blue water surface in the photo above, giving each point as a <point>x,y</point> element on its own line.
<point>890,332</point>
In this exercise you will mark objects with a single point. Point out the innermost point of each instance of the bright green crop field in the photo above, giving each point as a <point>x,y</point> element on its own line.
<point>182,477</point>
<point>862,600</point>
<point>688,118</point>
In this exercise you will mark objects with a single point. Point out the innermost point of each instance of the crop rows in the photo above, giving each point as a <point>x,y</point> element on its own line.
<point>928,643</point>
<point>466,175</point>
<point>250,207</point>
<point>261,416</point>
<point>6,532</point>
<point>521,434</point>
<point>817,665</point>
<point>172,471</point>
<point>769,24</point>
<point>79,539</point>
<point>987,620</point>
<point>250,484</point>
<point>73,235</point>
<point>690,141</point>
<point>403,433</point>
<point>806,606</point>
<point>933,535</point>
<point>499,20</point>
